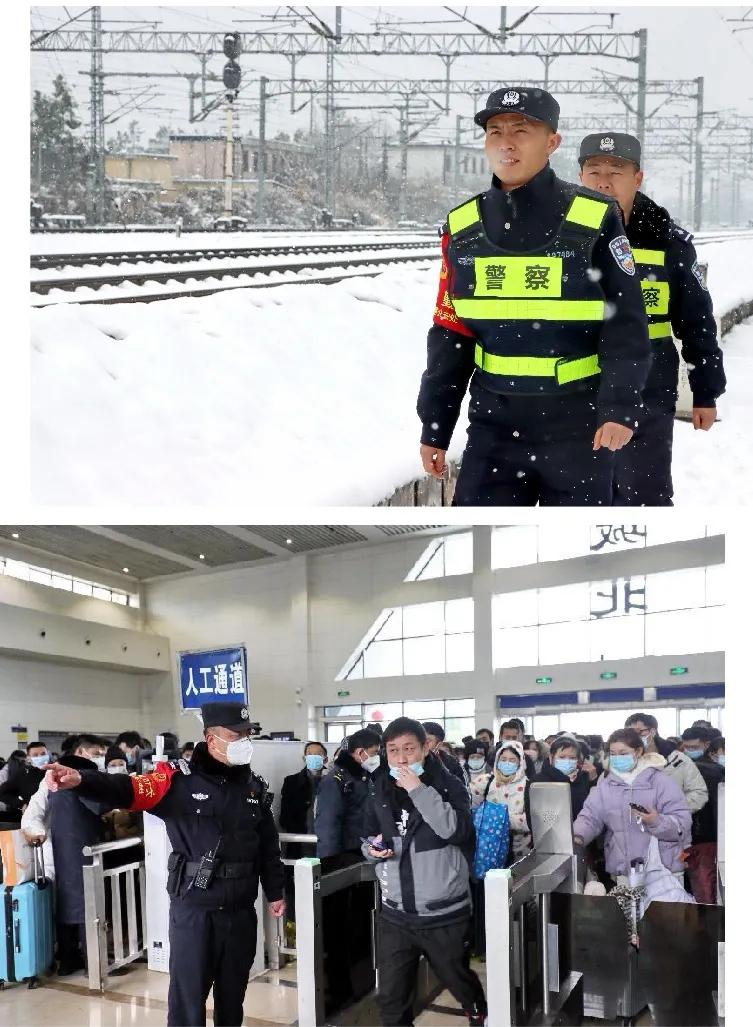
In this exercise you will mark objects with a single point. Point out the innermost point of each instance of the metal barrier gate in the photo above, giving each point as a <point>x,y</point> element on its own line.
<point>127,912</point>
<point>274,927</point>
<point>555,955</point>
<point>311,888</point>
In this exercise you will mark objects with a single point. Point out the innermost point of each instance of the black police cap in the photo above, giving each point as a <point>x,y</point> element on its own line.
<point>232,715</point>
<point>610,144</point>
<point>533,103</point>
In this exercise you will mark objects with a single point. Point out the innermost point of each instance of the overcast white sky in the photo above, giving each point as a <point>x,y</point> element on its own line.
<point>683,42</point>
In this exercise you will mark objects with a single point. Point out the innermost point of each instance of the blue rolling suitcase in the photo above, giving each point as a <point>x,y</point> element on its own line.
<point>26,943</point>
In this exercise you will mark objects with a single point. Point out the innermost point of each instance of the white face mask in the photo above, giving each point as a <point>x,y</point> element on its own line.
<point>117,770</point>
<point>99,760</point>
<point>371,763</point>
<point>239,752</point>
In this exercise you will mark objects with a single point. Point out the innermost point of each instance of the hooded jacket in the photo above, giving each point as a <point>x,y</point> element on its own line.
<point>606,809</point>
<point>431,833</point>
<point>512,793</point>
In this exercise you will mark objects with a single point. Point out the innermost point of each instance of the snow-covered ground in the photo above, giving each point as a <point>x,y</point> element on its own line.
<point>303,396</point>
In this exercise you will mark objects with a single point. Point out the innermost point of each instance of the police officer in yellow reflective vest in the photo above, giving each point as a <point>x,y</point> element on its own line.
<point>677,302</point>
<point>540,303</point>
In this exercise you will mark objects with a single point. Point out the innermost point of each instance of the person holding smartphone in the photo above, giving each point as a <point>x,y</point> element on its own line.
<point>420,834</point>
<point>634,800</point>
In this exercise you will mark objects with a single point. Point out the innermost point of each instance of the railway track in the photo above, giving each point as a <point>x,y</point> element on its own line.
<point>346,256</point>
<point>53,261</point>
<point>370,266</point>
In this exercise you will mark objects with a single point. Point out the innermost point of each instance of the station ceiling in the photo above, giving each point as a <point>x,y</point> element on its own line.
<point>151,551</point>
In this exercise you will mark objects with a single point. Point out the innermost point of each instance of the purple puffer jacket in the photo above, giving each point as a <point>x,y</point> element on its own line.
<point>607,807</point>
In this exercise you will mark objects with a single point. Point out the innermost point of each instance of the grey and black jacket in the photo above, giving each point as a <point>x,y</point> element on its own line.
<point>426,882</point>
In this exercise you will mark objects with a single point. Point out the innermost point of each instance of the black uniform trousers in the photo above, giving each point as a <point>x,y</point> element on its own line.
<point>445,946</point>
<point>643,468</point>
<point>209,947</point>
<point>523,451</point>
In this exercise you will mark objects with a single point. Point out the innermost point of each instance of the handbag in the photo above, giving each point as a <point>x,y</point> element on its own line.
<point>661,885</point>
<point>492,823</point>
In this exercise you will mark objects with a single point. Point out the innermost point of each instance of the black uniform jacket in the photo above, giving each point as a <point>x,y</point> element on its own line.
<point>524,219</point>
<point>204,803</point>
<point>690,311</point>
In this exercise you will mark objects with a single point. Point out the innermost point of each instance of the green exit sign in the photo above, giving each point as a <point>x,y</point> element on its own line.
<point>608,675</point>
<point>543,681</point>
<point>343,695</point>
<point>678,670</point>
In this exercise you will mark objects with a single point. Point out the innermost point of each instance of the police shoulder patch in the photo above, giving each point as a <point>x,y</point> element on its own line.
<point>622,254</point>
<point>698,275</point>
<point>681,233</point>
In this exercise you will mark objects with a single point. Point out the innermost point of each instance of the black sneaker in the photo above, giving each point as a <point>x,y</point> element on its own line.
<point>476,1018</point>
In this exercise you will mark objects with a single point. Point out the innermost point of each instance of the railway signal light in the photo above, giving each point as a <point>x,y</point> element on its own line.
<point>231,45</point>
<point>231,77</point>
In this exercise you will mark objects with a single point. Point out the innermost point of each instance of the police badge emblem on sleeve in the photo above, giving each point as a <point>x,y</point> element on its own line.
<point>622,254</point>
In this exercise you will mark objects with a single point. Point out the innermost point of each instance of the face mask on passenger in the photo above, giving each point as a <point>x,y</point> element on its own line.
<point>117,770</point>
<point>99,760</point>
<point>476,763</point>
<point>314,762</point>
<point>371,763</point>
<point>507,767</point>
<point>720,759</point>
<point>565,766</point>
<point>417,768</point>
<point>623,764</point>
<point>40,761</point>
<point>694,754</point>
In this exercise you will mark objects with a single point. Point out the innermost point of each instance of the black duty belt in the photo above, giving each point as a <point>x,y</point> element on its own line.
<point>227,870</point>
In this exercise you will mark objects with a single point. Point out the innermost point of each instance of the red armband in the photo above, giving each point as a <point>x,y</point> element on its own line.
<point>149,789</point>
<point>444,312</point>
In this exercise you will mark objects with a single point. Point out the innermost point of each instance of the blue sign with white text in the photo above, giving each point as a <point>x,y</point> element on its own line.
<point>212,675</point>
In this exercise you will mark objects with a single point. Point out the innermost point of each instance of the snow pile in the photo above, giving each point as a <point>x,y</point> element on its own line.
<point>714,468</point>
<point>297,395</point>
<point>730,278</point>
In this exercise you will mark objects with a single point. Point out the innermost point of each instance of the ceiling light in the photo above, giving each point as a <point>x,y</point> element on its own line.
<point>201,556</point>
<point>125,570</point>
<point>289,541</point>
<point>14,535</point>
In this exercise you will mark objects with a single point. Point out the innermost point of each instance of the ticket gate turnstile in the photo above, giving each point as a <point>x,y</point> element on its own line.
<point>530,976</point>
<point>359,967</point>
<point>567,954</point>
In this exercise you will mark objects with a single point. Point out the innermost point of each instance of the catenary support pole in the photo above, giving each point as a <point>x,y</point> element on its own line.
<point>261,172</point>
<point>642,76</point>
<point>698,202</point>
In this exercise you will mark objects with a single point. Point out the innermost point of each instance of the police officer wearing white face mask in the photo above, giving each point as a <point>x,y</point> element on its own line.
<point>219,821</point>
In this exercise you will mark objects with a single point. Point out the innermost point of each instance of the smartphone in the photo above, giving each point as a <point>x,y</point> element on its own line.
<point>637,808</point>
<point>376,844</point>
